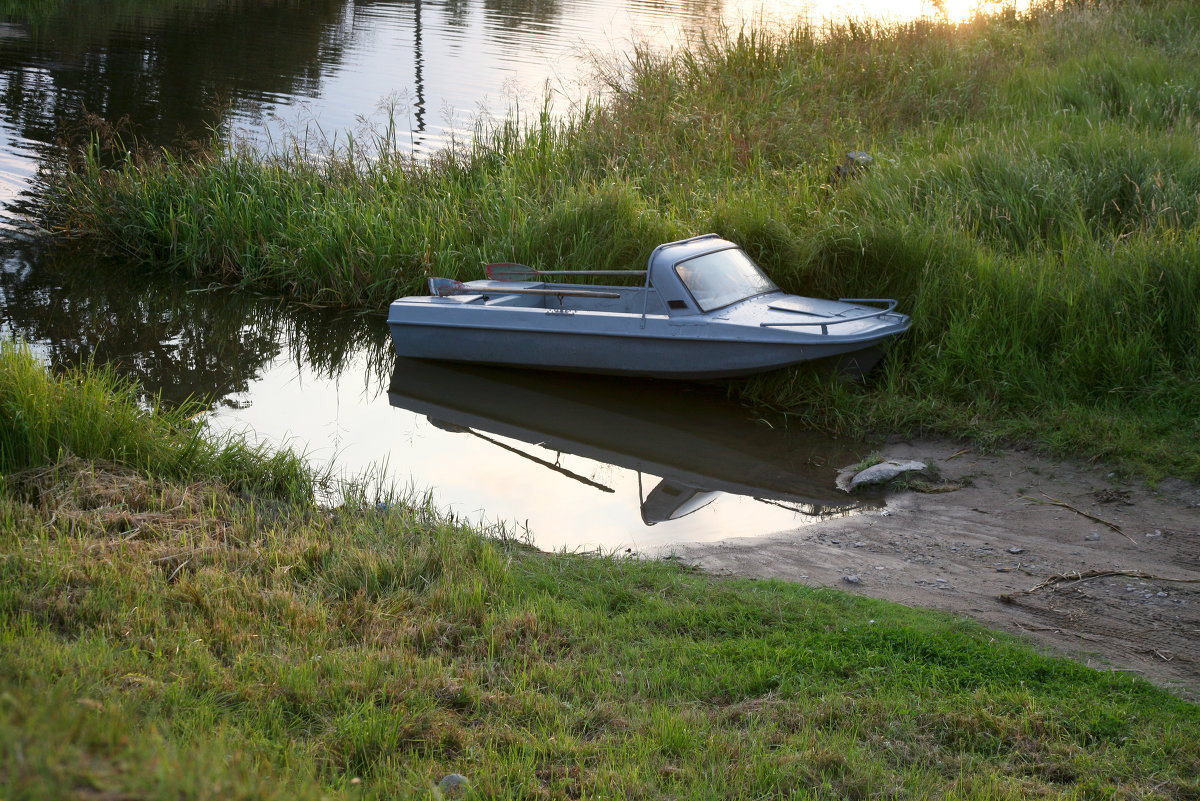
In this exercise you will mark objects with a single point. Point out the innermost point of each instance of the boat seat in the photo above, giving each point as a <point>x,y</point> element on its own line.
<point>508,300</point>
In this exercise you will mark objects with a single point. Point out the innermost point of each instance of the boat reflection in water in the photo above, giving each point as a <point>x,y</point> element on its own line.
<point>688,446</point>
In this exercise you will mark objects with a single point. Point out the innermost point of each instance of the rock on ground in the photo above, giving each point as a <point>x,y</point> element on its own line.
<point>850,478</point>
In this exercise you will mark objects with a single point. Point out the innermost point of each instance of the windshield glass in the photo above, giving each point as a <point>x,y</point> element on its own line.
<point>721,278</point>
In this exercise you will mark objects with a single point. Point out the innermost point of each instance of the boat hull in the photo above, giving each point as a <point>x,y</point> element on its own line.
<point>605,353</point>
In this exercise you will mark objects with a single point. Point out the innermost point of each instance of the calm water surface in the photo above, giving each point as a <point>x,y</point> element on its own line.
<point>572,462</point>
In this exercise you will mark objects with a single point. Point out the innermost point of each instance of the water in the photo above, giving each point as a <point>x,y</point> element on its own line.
<point>260,70</point>
<point>567,461</point>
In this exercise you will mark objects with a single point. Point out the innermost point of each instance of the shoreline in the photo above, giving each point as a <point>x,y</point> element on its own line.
<point>1053,278</point>
<point>1019,521</point>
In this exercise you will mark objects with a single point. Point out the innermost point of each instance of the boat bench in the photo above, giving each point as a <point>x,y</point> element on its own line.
<point>488,300</point>
<point>507,300</point>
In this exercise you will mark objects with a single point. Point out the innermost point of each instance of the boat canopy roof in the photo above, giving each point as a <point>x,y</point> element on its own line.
<point>705,273</point>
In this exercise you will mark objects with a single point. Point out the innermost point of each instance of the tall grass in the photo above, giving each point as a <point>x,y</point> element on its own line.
<point>1033,205</point>
<point>94,415</point>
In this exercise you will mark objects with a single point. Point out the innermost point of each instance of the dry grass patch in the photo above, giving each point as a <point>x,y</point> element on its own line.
<point>116,505</point>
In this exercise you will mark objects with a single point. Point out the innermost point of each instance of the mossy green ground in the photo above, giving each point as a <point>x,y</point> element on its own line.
<point>1033,206</point>
<point>173,632</point>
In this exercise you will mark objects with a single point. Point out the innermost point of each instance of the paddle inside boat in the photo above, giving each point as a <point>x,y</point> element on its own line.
<point>704,310</point>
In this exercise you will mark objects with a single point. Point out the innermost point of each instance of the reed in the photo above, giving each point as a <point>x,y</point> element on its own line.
<point>1033,205</point>
<point>94,415</point>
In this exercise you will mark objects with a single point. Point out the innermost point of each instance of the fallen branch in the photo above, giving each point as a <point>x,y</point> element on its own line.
<point>1058,630</point>
<point>1075,576</point>
<point>1065,505</point>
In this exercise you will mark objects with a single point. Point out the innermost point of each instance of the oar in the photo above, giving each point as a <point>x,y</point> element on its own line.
<point>444,287</point>
<point>508,271</point>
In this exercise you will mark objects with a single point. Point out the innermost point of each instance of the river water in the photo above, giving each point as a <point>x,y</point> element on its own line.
<point>567,462</point>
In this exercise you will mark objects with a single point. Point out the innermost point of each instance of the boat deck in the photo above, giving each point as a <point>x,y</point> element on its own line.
<point>632,300</point>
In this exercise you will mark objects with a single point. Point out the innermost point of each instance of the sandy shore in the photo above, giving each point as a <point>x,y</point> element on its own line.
<point>1067,555</point>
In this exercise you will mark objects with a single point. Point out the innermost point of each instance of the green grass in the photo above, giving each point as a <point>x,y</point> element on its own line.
<point>95,415</point>
<point>185,638</point>
<point>1033,206</point>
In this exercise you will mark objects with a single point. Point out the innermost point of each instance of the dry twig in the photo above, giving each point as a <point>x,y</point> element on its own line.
<point>1076,576</point>
<point>1089,516</point>
<point>175,572</point>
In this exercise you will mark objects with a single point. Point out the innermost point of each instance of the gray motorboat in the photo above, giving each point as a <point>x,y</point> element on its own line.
<point>705,310</point>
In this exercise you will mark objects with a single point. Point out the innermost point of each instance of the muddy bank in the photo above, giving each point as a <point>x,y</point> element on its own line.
<point>1067,555</point>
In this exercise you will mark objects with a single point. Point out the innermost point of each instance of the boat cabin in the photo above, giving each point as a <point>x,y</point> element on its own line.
<point>683,279</point>
<point>704,274</point>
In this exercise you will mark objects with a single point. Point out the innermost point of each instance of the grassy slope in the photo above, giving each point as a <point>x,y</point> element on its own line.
<point>1034,206</point>
<point>178,639</point>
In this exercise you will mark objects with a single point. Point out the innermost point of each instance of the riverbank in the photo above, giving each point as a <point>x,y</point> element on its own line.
<point>1093,566</point>
<point>208,633</point>
<point>1032,205</point>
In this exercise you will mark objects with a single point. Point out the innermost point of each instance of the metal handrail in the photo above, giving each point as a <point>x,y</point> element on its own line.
<point>828,322</point>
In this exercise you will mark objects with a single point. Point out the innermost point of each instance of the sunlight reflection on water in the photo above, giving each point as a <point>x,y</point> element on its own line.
<point>440,72</point>
<point>822,13</point>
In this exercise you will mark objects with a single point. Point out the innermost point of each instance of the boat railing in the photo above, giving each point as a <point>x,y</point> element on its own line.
<point>826,322</point>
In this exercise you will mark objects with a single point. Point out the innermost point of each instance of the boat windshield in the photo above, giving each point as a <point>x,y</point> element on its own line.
<point>724,277</point>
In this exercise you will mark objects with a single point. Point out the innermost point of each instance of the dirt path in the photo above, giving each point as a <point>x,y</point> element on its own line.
<point>1019,521</point>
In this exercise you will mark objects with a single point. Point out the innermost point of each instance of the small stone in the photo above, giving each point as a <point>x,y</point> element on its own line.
<point>453,784</point>
<point>943,581</point>
<point>1162,595</point>
<point>836,542</point>
<point>1015,549</point>
<point>855,162</point>
<point>852,579</point>
<point>1092,536</point>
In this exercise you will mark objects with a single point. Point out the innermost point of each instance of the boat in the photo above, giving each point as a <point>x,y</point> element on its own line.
<point>705,310</point>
